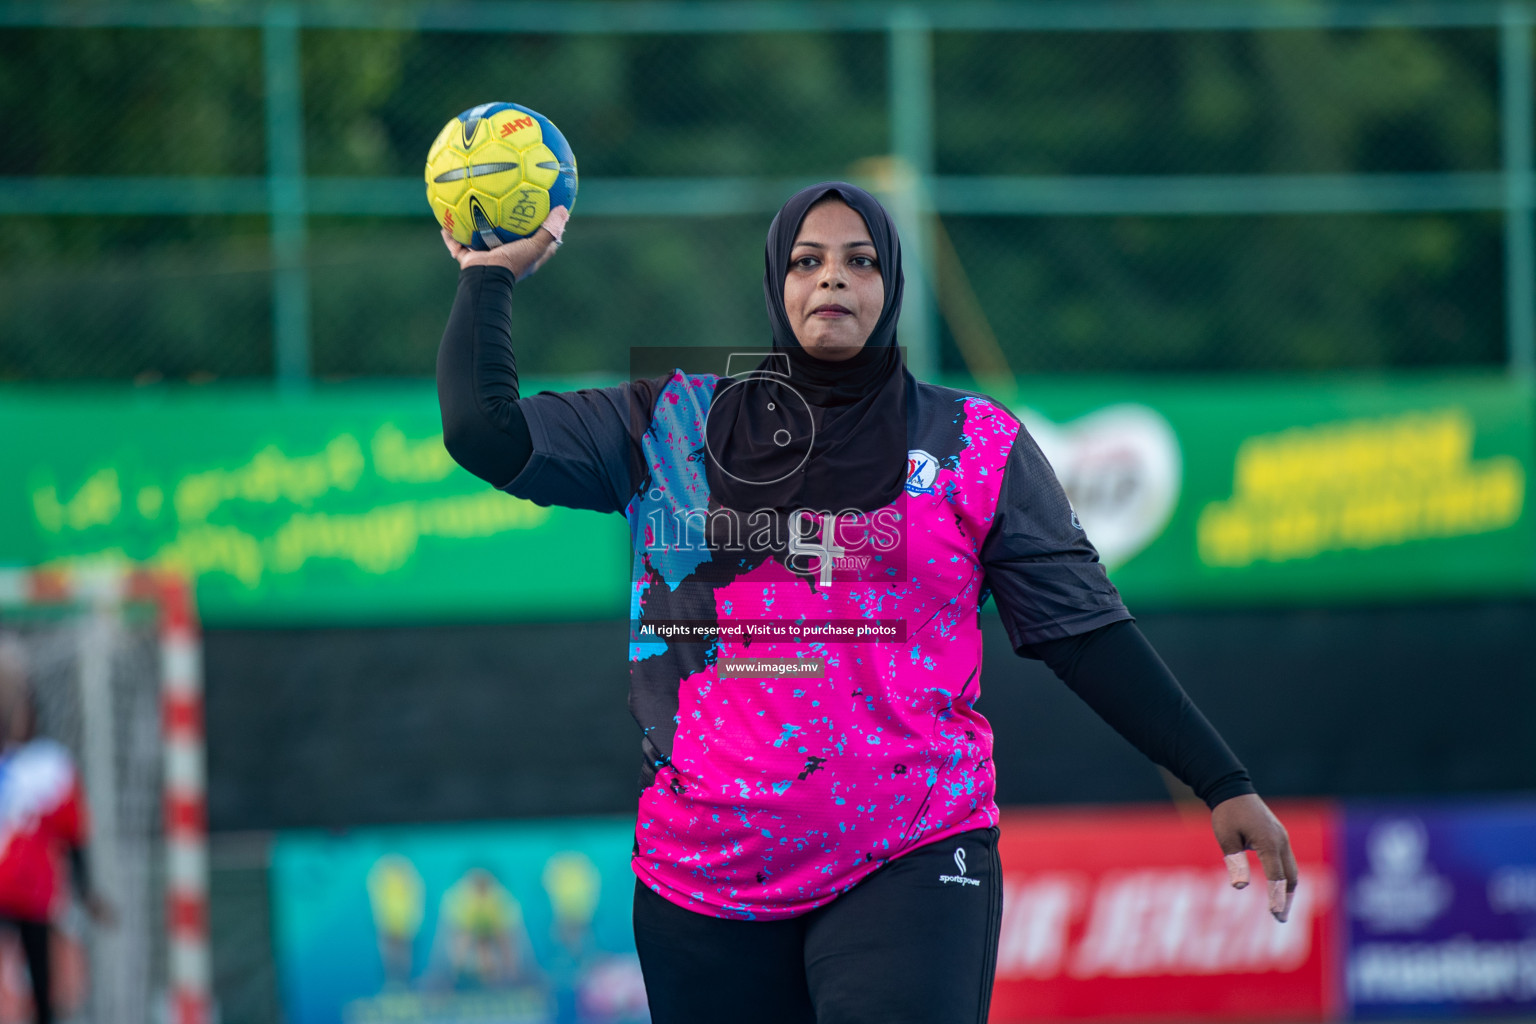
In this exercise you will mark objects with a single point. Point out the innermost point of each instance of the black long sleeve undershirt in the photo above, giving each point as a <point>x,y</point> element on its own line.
<point>483,428</point>
<point>1118,674</point>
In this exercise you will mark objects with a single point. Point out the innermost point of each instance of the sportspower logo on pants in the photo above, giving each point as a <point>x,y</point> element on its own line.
<point>960,879</point>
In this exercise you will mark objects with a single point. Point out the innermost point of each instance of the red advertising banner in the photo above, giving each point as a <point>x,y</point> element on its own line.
<point>1128,914</point>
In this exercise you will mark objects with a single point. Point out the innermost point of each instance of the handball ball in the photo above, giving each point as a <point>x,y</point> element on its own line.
<point>495,171</point>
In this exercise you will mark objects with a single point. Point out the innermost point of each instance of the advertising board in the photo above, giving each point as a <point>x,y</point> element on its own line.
<point>1109,914</point>
<point>1127,914</point>
<point>1441,905</point>
<point>519,923</point>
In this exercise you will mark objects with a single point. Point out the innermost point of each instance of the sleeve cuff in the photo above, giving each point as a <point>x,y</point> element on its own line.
<point>1232,784</point>
<point>1087,622</point>
<point>485,272</point>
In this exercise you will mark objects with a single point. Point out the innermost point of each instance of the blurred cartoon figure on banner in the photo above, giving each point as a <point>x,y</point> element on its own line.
<point>590,984</point>
<point>573,885</point>
<point>481,927</point>
<point>395,890</point>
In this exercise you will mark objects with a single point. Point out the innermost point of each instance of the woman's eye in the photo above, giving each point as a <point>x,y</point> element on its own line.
<point>863,261</point>
<point>805,262</point>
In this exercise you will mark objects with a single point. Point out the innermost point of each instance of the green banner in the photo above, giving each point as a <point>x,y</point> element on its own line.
<point>339,506</point>
<point>342,506</point>
<point>1210,492</point>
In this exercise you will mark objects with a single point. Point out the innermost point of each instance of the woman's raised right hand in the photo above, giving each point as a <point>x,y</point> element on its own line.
<point>523,256</point>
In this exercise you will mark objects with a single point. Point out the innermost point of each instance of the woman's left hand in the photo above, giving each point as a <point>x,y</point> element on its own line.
<point>1246,823</point>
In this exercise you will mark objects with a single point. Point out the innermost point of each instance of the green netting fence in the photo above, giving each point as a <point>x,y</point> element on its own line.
<point>220,190</point>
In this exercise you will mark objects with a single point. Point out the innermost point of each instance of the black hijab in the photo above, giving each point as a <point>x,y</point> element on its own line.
<point>845,422</point>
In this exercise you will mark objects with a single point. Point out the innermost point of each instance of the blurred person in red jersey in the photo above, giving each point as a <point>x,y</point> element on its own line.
<point>43,822</point>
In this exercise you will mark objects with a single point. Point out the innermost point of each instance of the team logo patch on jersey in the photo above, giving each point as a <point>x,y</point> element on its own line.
<point>922,470</point>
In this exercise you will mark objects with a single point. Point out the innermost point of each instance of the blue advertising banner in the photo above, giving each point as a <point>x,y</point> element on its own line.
<point>518,923</point>
<point>1441,904</point>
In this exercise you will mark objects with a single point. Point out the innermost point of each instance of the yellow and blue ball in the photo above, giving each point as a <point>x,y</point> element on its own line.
<point>495,171</point>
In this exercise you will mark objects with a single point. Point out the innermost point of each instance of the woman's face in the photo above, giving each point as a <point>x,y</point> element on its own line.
<point>833,292</point>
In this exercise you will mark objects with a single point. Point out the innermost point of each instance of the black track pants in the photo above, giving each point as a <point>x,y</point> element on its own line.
<point>911,944</point>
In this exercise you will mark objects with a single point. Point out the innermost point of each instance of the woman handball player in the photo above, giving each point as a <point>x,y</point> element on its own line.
<point>822,846</point>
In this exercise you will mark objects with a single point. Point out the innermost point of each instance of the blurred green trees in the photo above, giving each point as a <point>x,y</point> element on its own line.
<point>90,297</point>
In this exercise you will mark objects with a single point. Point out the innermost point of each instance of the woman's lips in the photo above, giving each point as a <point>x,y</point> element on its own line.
<point>831,310</point>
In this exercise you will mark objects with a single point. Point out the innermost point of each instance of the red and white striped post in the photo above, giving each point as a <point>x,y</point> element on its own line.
<point>186,805</point>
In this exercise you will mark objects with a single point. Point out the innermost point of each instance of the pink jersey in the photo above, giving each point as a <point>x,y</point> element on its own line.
<point>767,795</point>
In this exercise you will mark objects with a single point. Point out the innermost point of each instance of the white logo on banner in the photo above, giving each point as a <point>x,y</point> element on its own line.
<point>1401,893</point>
<point>1122,470</point>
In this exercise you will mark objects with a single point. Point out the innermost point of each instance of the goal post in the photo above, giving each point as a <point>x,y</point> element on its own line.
<point>113,657</point>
